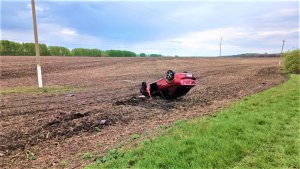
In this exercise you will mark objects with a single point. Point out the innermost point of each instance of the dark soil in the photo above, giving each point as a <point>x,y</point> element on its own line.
<point>56,128</point>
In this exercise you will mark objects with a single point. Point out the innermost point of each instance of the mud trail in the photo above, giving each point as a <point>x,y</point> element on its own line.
<point>109,109</point>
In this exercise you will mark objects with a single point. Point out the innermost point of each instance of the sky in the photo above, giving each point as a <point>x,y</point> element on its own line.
<point>184,28</point>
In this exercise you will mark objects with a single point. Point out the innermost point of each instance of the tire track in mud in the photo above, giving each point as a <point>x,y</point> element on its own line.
<point>66,125</point>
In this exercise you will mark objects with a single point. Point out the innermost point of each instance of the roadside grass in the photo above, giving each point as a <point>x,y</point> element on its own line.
<point>36,90</point>
<point>260,131</point>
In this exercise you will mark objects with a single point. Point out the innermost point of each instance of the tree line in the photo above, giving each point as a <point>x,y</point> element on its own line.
<point>10,48</point>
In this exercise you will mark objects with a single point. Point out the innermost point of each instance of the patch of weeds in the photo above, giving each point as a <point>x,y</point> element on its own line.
<point>119,146</point>
<point>112,154</point>
<point>99,145</point>
<point>98,129</point>
<point>105,159</point>
<point>178,122</point>
<point>164,126</point>
<point>87,156</point>
<point>146,141</point>
<point>135,136</point>
<point>131,162</point>
<point>98,160</point>
<point>146,133</point>
<point>30,155</point>
<point>64,164</point>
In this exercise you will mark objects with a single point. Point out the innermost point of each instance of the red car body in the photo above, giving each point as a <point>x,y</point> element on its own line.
<point>170,87</point>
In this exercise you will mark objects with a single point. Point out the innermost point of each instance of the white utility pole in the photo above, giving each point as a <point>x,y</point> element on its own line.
<point>281,52</point>
<point>37,48</point>
<point>221,47</point>
<point>282,46</point>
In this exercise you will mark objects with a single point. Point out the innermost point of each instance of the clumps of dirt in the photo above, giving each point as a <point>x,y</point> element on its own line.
<point>66,118</point>
<point>8,74</point>
<point>268,71</point>
<point>133,101</point>
<point>64,126</point>
<point>153,103</point>
<point>68,125</point>
<point>199,101</point>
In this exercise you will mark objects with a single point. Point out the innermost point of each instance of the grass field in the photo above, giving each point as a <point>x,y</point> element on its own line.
<point>261,131</point>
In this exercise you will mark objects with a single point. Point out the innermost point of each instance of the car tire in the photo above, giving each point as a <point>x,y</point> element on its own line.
<point>143,89</point>
<point>170,76</point>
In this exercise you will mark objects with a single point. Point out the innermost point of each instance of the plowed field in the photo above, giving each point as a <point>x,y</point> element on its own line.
<point>44,130</point>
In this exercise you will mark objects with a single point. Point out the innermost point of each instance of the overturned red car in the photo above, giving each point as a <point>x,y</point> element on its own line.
<point>174,85</point>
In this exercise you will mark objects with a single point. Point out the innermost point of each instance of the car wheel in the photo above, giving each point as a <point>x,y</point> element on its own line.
<point>143,89</point>
<point>170,76</point>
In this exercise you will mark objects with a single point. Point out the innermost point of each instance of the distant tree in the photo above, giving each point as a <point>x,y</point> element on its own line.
<point>85,52</point>
<point>155,55</point>
<point>142,55</point>
<point>4,47</point>
<point>28,49</point>
<point>95,52</point>
<point>104,54</point>
<point>15,48</point>
<point>120,53</point>
<point>59,51</point>
<point>44,50</point>
<point>10,48</point>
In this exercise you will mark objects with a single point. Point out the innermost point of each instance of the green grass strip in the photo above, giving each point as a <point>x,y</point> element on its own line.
<point>260,131</point>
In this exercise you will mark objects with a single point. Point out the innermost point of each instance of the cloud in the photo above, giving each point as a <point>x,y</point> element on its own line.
<point>206,43</point>
<point>68,31</point>
<point>188,29</point>
<point>276,32</point>
<point>53,34</point>
<point>50,32</point>
<point>281,13</point>
<point>288,11</point>
<point>37,7</point>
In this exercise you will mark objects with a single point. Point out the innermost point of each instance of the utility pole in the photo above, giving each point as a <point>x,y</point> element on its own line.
<point>281,52</point>
<point>37,48</point>
<point>221,47</point>
<point>282,47</point>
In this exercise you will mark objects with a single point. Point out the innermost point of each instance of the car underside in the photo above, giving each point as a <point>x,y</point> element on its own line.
<point>174,85</point>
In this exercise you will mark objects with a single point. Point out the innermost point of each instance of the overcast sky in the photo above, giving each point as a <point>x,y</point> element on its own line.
<point>171,28</point>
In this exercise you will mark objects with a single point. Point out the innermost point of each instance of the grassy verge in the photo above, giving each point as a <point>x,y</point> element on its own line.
<point>260,131</point>
<point>35,90</point>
